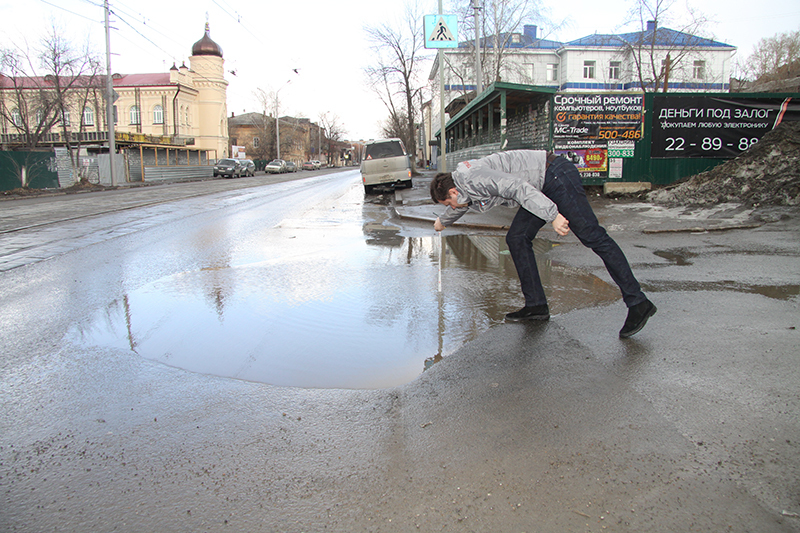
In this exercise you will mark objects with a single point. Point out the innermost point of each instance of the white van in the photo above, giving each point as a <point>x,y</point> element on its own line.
<point>385,165</point>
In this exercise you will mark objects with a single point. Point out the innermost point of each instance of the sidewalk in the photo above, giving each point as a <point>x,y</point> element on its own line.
<point>416,204</point>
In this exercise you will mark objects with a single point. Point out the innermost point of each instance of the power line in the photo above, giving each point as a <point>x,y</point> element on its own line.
<point>137,31</point>
<point>238,20</point>
<point>70,12</point>
<point>145,21</point>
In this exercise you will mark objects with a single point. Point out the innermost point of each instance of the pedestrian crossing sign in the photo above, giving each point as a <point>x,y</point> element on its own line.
<point>441,31</point>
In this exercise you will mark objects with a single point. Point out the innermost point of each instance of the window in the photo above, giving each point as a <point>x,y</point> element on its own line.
<point>552,72</point>
<point>116,119</point>
<point>39,117</point>
<point>88,116</point>
<point>530,72</point>
<point>16,118</point>
<point>255,142</point>
<point>136,118</point>
<point>588,70</point>
<point>699,70</point>
<point>65,117</point>
<point>614,70</point>
<point>158,115</point>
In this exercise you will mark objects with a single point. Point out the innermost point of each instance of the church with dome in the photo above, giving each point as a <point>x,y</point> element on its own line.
<point>187,105</point>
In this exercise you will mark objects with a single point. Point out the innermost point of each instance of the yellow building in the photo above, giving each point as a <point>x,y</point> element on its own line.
<point>187,104</point>
<point>172,118</point>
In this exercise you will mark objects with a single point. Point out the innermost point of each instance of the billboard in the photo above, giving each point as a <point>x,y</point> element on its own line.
<point>594,130</point>
<point>714,126</point>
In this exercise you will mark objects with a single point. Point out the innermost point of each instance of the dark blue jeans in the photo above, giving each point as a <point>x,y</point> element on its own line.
<point>562,184</point>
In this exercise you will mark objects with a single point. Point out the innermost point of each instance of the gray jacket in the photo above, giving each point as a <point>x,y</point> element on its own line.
<point>512,179</point>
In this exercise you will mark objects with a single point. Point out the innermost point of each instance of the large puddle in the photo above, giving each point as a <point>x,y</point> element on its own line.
<point>332,305</point>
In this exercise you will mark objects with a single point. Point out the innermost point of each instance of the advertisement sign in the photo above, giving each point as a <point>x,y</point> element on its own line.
<point>715,127</point>
<point>604,116</point>
<point>622,149</point>
<point>591,128</point>
<point>238,152</point>
<point>591,160</point>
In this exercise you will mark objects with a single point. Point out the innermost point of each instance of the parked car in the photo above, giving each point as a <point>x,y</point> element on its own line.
<point>309,165</point>
<point>229,168</point>
<point>290,166</point>
<point>276,166</point>
<point>385,165</point>
<point>317,164</point>
<point>248,167</point>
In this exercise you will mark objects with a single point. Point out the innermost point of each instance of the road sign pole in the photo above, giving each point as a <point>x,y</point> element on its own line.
<point>442,136</point>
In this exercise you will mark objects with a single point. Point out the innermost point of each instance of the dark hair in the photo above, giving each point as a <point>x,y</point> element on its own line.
<point>440,186</point>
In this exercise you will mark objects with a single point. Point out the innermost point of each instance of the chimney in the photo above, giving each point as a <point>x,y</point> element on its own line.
<point>530,31</point>
<point>651,25</point>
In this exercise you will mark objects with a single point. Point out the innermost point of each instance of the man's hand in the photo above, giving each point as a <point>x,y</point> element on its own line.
<point>438,226</point>
<point>561,225</point>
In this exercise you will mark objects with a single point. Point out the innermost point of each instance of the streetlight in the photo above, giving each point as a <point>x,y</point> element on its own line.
<point>277,116</point>
<point>278,119</point>
<point>476,5</point>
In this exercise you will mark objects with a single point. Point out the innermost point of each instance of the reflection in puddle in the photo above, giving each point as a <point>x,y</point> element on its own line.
<point>680,258</point>
<point>328,306</point>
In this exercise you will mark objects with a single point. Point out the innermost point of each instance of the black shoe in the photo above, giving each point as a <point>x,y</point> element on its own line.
<point>534,312</point>
<point>637,318</point>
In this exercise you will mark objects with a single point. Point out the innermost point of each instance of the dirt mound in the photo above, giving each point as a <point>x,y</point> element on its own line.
<point>766,174</point>
<point>81,186</point>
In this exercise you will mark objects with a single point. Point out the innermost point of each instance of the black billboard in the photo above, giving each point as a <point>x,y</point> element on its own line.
<point>602,116</point>
<point>715,127</point>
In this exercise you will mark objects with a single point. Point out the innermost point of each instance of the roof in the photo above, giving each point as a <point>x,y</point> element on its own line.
<point>661,37</point>
<point>120,80</point>
<point>141,80</point>
<point>247,119</point>
<point>664,37</point>
<point>515,92</point>
<point>527,40</point>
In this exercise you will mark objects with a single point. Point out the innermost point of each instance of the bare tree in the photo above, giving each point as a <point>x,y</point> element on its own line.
<point>266,125</point>
<point>655,52</point>
<point>500,21</point>
<point>333,133</point>
<point>75,75</point>
<point>289,128</point>
<point>395,76</point>
<point>47,85</point>
<point>774,58</point>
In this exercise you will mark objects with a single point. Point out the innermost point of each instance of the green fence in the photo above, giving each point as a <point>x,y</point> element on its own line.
<point>40,170</point>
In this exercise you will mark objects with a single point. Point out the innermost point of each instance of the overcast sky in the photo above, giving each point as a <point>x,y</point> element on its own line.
<point>262,42</point>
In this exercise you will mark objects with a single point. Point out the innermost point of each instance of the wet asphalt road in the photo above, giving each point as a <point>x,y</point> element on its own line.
<point>691,425</point>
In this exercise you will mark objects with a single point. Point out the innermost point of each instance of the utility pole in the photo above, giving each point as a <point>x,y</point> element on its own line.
<point>110,98</point>
<point>478,71</point>
<point>442,136</point>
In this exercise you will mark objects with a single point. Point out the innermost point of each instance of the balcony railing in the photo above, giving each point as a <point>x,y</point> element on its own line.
<point>96,137</point>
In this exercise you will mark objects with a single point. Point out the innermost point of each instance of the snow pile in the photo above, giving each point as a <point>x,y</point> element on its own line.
<point>766,174</point>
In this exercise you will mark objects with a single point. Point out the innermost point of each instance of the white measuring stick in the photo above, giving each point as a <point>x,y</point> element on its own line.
<point>441,259</point>
<point>441,255</point>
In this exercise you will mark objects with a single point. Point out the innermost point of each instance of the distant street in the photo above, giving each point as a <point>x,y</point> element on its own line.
<point>691,425</point>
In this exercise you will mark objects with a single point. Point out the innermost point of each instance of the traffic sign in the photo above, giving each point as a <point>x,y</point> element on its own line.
<point>441,31</point>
